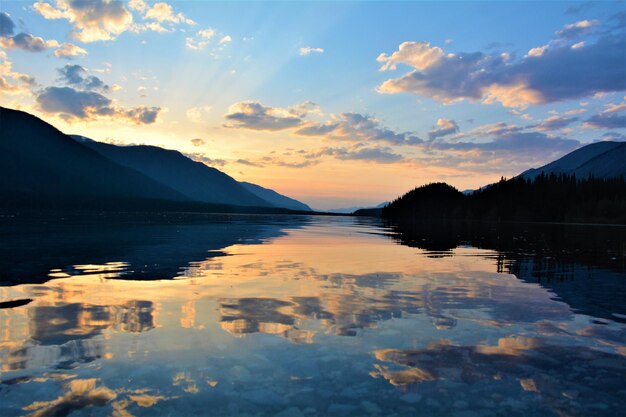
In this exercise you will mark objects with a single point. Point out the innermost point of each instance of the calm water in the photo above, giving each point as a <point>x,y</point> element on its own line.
<point>303,316</point>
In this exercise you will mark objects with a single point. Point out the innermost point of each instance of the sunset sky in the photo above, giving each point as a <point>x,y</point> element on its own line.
<point>336,104</point>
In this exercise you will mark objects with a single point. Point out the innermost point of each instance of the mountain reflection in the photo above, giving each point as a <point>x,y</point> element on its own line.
<point>218,308</point>
<point>124,245</point>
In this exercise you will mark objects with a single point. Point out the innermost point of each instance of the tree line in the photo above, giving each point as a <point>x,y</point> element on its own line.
<point>546,198</point>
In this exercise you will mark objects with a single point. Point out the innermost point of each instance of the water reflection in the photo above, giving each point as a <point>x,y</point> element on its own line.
<point>585,266</point>
<point>312,316</point>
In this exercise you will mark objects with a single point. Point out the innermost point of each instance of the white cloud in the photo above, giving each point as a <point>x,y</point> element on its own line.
<point>11,82</point>
<point>307,50</point>
<point>197,114</point>
<point>93,20</point>
<point>68,51</point>
<point>419,55</point>
<point>202,39</point>
<point>163,12</point>
<point>538,51</point>
<point>546,75</point>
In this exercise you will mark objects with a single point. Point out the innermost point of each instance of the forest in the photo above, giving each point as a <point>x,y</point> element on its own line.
<point>547,198</point>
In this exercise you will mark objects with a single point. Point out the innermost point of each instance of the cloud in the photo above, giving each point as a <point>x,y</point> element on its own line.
<point>225,39</point>
<point>199,157</point>
<point>141,115</point>
<point>538,51</point>
<point>356,152</point>
<point>419,55</point>
<point>518,145</point>
<point>68,51</point>
<point>444,128</point>
<point>612,117</point>
<point>548,74</point>
<point>30,43</point>
<point>307,50</point>
<point>197,142</point>
<point>575,30</point>
<point>27,42</point>
<point>383,155</point>
<point>254,115</point>
<point>248,163</point>
<point>76,76</point>
<point>197,114</point>
<point>553,123</point>
<point>201,40</point>
<point>163,12</point>
<point>495,129</point>
<point>352,127</point>
<point>310,160</point>
<point>157,15</point>
<point>6,25</point>
<point>11,82</point>
<point>149,26</point>
<point>357,127</point>
<point>93,20</point>
<point>614,136</point>
<point>71,104</point>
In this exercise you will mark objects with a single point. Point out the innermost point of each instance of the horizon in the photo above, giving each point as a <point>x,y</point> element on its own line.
<point>298,99</point>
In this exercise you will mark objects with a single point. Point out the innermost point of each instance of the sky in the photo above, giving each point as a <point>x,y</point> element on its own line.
<point>337,104</point>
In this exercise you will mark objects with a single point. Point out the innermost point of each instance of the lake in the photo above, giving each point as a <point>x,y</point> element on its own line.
<point>242,315</point>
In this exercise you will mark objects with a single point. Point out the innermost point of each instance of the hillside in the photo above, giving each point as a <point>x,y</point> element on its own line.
<point>275,198</point>
<point>39,165</point>
<point>601,160</point>
<point>193,179</point>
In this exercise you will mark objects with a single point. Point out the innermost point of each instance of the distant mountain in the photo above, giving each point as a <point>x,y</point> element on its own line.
<point>194,180</point>
<point>275,198</point>
<point>40,166</point>
<point>601,160</point>
<point>349,210</point>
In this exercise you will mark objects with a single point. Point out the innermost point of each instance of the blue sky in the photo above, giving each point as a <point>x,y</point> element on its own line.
<point>334,103</point>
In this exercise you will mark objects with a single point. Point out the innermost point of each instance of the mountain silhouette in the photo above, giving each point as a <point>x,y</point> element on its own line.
<point>587,185</point>
<point>600,160</point>
<point>40,166</point>
<point>275,198</point>
<point>193,179</point>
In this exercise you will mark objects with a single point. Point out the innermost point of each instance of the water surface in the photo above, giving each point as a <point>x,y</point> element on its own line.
<point>303,316</point>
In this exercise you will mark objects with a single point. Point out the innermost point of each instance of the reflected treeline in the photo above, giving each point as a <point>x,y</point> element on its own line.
<point>585,266</point>
<point>147,245</point>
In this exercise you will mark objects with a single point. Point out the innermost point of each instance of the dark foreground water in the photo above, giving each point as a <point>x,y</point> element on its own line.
<point>218,315</point>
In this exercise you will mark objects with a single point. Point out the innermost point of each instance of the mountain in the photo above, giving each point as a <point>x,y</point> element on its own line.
<point>194,180</point>
<point>40,166</point>
<point>349,210</point>
<point>275,198</point>
<point>601,160</point>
